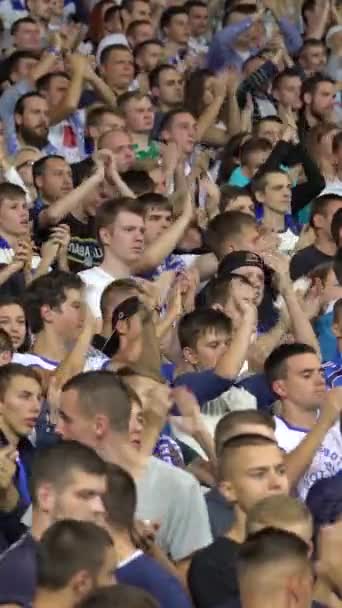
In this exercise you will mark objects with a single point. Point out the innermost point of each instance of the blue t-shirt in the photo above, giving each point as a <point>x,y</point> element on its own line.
<point>204,385</point>
<point>333,371</point>
<point>18,573</point>
<point>207,385</point>
<point>144,572</point>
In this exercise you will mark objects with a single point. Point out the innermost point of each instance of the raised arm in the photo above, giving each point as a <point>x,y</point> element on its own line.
<point>71,100</point>
<point>300,459</point>
<point>166,243</point>
<point>231,362</point>
<point>54,214</point>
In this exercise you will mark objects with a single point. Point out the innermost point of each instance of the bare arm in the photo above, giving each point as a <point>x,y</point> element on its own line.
<point>53,214</point>
<point>165,244</point>
<point>191,421</point>
<point>100,87</point>
<point>211,112</point>
<point>71,99</point>
<point>259,351</point>
<point>231,362</point>
<point>74,362</point>
<point>300,459</point>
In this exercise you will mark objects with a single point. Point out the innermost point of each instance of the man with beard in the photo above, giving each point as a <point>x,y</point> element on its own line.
<point>318,94</point>
<point>31,115</point>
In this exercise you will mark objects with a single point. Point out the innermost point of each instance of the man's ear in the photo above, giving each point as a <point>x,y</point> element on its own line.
<point>336,330</point>
<point>318,220</point>
<point>18,119</point>
<point>278,387</point>
<point>46,313</point>
<point>307,98</point>
<point>46,497</point>
<point>190,356</point>
<point>155,92</point>
<point>101,425</point>
<point>105,235</point>
<point>81,584</point>
<point>260,196</point>
<point>226,488</point>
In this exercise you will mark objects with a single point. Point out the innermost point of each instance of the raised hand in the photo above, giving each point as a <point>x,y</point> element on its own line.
<point>8,457</point>
<point>190,421</point>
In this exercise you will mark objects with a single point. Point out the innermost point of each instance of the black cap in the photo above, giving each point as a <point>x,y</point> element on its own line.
<point>237,259</point>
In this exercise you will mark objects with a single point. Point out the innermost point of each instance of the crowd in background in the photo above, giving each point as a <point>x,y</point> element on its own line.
<point>170,303</point>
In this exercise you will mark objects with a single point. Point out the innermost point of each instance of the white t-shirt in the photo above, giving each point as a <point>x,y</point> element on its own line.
<point>95,280</point>
<point>95,360</point>
<point>327,460</point>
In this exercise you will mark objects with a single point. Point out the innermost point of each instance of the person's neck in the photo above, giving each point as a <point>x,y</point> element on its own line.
<point>140,139</point>
<point>294,416</point>
<point>107,328</point>
<point>247,172</point>
<point>119,91</point>
<point>184,367</point>
<point>10,435</point>
<point>237,532</point>
<point>116,449</point>
<point>172,48</point>
<point>11,239</point>
<point>253,599</point>
<point>49,345</point>
<point>40,523</point>
<point>325,244</point>
<point>310,118</point>
<point>115,267</point>
<point>273,220</point>
<point>45,200</point>
<point>339,344</point>
<point>165,107</point>
<point>45,598</point>
<point>124,547</point>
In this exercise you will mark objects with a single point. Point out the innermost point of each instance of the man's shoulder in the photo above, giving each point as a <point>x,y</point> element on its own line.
<point>18,572</point>
<point>221,547</point>
<point>19,555</point>
<point>94,274</point>
<point>174,475</point>
<point>304,253</point>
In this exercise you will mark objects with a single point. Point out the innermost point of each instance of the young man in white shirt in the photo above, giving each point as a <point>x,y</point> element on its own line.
<point>54,305</point>
<point>308,427</point>
<point>120,228</point>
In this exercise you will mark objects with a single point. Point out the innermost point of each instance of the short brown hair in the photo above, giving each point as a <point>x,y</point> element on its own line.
<point>116,290</point>
<point>226,226</point>
<point>109,211</point>
<point>227,426</point>
<point>232,445</point>
<point>13,370</point>
<point>10,191</point>
<point>103,392</point>
<point>275,511</point>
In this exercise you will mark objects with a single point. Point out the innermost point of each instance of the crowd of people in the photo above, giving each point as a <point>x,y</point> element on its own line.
<point>170,303</point>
